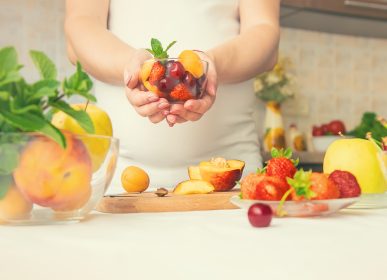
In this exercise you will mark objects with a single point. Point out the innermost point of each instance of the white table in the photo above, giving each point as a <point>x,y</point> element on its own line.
<point>199,245</point>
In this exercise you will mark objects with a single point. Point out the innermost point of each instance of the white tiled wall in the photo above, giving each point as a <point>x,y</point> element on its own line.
<point>338,76</point>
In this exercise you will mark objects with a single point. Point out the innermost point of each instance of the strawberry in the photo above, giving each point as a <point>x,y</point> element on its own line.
<point>281,165</point>
<point>157,72</point>
<point>346,182</point>
<point>314,186</point>
<point>181,93</point>
<point>263,187</point>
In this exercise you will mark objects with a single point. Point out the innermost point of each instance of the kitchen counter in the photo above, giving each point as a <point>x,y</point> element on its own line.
<point>199,245</point>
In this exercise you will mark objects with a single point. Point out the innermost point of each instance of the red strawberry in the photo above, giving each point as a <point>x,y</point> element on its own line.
<point>157,72</point>
<point>263,187</point>
<point>315,186</point>
<point>181,93</point>
<point>346,182</point>
<point>281,164</point>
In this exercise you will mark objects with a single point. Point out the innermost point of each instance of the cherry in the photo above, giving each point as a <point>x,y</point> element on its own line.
<point>167,84</point>
<point>189,80</point>
<point>260,215</point>
<point>175,69</point>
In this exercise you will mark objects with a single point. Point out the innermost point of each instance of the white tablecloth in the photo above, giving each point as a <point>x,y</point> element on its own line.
<point>199,245</point>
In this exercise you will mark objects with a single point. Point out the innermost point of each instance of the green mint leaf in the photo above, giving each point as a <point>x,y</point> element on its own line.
<point>8,59</point>
<point>10,77</point>
<point>80,116</point>
<point>43,88</point>
<point>5,183</point>
<point>45,66</point>
<point>9,155</point>
<point>34,122</point>
<point>169,46</point>
<point>4,95</point>
<point>151,52</point>
<point>156,47</point>
<point>15,109</point>
<point>79,84</point>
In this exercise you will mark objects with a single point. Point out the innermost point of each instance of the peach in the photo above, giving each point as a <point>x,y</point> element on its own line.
<point>221,173</point>
<point>14,205</point>
<point>192,63</point>
<point>193,187</point>
<point>51,176</point>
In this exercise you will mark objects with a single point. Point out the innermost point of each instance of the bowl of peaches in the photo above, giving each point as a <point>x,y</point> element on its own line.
<point>175,79</point>
<point>43,182</point>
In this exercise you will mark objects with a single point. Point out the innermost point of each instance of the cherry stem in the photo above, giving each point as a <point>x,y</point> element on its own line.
<point>281,212</point>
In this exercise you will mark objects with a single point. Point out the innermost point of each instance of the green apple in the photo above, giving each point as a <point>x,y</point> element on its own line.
<point>360,157</point>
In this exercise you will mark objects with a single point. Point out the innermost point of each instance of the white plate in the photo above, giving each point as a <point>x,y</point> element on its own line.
<point>305,208</point>
<point>371,201</point>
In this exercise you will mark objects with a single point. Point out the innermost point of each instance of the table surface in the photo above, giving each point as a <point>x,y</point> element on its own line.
<point>199,245</point>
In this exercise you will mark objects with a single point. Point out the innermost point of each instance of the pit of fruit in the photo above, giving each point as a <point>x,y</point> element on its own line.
<point>175,79</point>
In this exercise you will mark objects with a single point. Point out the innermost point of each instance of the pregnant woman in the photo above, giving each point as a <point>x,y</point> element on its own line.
<point>239,39</point>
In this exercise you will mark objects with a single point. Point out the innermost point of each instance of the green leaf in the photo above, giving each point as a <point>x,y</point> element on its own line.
<point>37,123</point>
<point>4,95</point>
<point>156,47</point>
<point>28,108</point>
<point>8,59</point>
<point>44,88</point>
<point>301,184</point>
<point>80,84</point>
<point>46,67</point>
<point>170,45</point>
<point>10,77</point>
<point>9,155</point>
<point>275,153</point>
<point>288,153</point>
<point>80,116</point>
<point>5,183</point>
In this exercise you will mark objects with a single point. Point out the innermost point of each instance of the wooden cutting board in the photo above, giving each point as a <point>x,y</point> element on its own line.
<point>149,202</point>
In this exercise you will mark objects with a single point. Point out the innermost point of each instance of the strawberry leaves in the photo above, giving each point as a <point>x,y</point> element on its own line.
<point>301,184</point>
<point>287,153</point>
<point>157,49</point>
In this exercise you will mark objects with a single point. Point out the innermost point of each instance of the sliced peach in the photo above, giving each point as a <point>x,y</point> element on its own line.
<point>146,70</point>
<point>192,63</point>
<point>221,173</point>
<point>153,88</point>
<point>194,173</point>
<point>193,187</point>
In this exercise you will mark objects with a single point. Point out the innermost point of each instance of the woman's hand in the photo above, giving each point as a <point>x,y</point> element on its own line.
<point>193,110</point>
<point>146,104</point>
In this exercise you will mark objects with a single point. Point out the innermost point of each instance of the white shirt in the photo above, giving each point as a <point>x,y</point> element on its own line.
<point>228,129</point>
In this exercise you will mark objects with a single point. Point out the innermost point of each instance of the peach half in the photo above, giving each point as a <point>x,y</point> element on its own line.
<point>221,173</point>
<point>51,176</point>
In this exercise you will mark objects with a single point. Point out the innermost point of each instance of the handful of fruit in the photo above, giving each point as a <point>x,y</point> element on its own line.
<point>281,181</point>
<point>175,79</point>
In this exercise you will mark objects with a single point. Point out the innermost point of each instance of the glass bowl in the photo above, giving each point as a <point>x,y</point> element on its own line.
<point>307,208</point>
<point>170,79</point>
<point>43,183</point>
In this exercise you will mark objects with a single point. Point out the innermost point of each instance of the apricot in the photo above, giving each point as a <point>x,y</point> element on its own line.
<point>221,173</point>
<point>153,89</point>
<point>192,63</point>
<point>51,176</point>
<point>134,179</point>
<point>193,187</point>
<point>146,69</point>
<point>14,205</point>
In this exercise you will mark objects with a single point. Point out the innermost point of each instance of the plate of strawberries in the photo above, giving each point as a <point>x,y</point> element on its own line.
<point>297,193</point>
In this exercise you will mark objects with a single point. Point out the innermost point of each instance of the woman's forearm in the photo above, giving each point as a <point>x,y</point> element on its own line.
<point>253,51</point>
<point>101,53</point>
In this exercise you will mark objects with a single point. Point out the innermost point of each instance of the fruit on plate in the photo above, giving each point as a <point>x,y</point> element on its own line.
<point>193,187</point>
<point>221,173</point>
<point>177,80</point>
<point>360,157</point>
<point>334,127</point>
<point>308,185</point>
<point>281,165</point>
<point>134,179</point>
<point>260,215</point>
<point>14,205</point>
<point>257,186</point>
<point>97,147</point>
<point>346,182</point>
<point>51,176</point>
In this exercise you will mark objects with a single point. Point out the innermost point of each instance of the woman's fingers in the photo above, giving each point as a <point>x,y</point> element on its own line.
<point>139,98</point>
<point>152,108</point>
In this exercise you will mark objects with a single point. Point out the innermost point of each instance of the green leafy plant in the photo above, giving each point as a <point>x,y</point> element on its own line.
<point>157,49</point>
<point>28,107</point>
<point>370,122</point>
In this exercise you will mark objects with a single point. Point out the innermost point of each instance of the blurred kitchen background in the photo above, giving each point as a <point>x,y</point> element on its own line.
<point>338,49</point>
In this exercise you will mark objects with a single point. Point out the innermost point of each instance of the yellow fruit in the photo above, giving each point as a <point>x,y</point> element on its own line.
<point>146,70</point>
<point>153,88</point>
<point>14,205</point>
<point>192,63</point>
<point>361,158</point>
<point>193,187</point>
<point>134,179</point>
<point>97,147</point>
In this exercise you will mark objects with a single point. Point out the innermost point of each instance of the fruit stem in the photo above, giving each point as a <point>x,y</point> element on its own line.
<point>281,212</point>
